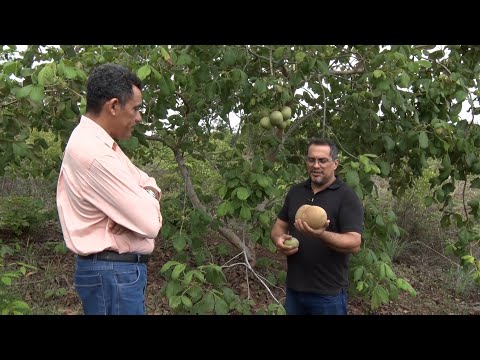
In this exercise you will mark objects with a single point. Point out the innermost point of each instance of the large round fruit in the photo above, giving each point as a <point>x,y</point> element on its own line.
<point>314,216</point>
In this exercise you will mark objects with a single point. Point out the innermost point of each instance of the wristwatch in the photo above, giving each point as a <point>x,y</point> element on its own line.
<point>151,192</point>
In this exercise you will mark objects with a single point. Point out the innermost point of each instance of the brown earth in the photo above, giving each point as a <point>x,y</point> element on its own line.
<point>49,288</point>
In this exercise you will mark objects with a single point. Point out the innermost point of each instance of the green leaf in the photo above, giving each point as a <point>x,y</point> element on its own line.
<point>222,191</point>
<point>20,149</point>
<point>229,57</point>
<point>7,280</point>
<point>384,168</point>
<point>261,86</point>
<point>168,265</point>
<point>24,92</point>
<point>455,109</point>
<point>143,72</point>
<point>47,74</point>
<point>383,85</point>
<point>357,274</point>
<point>262,181</point>
<point>264,219</point>
<point>174,301</point>
<point>199,275</point>
<point>389,272</point>
<point>242,193</point>
<point>205,305</point>
<point>70,72</point>
<point>221,307</point>
<point>475,184</point>
<point>186,301</point>
<point>10,68</point>
<point>404,285</point>
<point>424,63</point>
<point>389,143</point>
<point>448,187</point>
<point>165,54</point>
<point>195,293</point>
<point>245,213</point>
<point>379,220</point>
<point>423,140</point>
<point>460,95</point>
<point>222,209</point>
<point>179,242</point>
<point>184,59</point>
<point>428,200</point>
<point>300,56</point>
<point>211,90</point>
<point>323,67</point>
<point>404,80</point>
<point>279,52</point>
<point>352,178</point>
<point>164,88</point>
<point>377,73</point>
<point>37,94</point>
<point>178,270</point>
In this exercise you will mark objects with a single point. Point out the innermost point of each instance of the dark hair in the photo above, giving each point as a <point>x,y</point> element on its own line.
<point>110,81</point>
<point>323,141</point>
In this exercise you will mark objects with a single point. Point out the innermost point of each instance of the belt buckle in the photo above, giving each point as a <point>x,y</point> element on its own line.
<point>138,258</point>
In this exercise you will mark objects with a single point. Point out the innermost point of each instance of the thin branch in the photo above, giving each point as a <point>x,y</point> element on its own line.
<point>243,264</point>
<point>463,198</point>
<point>435,251</point>
<point>355,70</point>
<point>341,146</point>
<point>320,78</point>
<point>271,66</point>
<point>254,54</point>
<point>297,123</point>
<point>10,103</point>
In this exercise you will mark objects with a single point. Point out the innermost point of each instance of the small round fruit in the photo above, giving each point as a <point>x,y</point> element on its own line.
<point>276,118</point>
<point>291,243</point>
<point>286,112</point>
<point>265,123</point>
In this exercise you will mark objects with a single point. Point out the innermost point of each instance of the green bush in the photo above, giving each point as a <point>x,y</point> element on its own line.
<point>19,214</point>
<point>9,303</point>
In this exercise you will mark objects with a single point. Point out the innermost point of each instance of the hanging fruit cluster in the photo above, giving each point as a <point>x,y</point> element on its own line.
<point>281,119</point>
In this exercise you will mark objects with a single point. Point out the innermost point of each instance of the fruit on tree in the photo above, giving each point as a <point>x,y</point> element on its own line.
<point>276,118</point>
<point>265,123</point>
<point>286,112</point>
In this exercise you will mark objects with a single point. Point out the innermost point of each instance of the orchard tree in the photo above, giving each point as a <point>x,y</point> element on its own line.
<point>391,109</point>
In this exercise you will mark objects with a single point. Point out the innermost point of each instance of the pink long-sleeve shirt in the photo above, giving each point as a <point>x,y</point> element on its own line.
<point>97,184</point>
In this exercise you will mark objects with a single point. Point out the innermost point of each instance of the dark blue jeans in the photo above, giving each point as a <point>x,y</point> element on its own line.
<point>111,287</point>
<point>306,303</point>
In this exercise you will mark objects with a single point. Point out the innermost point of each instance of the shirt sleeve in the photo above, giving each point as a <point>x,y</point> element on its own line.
<point>283,213</point>
<point>121,198</point>
<point>351,213</point>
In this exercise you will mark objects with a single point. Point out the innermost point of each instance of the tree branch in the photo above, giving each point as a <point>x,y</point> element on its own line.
<point>197,204</point>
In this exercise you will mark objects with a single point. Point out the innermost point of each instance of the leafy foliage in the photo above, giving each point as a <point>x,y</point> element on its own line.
<point>391,109</point>
<point>20,213</point>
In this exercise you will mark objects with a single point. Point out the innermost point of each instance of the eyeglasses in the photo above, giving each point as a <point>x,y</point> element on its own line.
<point>321,161</point>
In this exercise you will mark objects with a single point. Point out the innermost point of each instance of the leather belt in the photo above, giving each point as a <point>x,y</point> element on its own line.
<point>114,256</point>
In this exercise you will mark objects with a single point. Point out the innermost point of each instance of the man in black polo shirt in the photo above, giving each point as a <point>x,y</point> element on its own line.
<point>317,276</point>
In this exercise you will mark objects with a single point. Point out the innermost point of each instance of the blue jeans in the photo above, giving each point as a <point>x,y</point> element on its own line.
<point>306,303</point>
<point>111,287</point>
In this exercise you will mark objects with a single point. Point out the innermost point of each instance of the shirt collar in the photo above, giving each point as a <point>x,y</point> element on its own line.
<point>335,185</point>
<point>100,132</point>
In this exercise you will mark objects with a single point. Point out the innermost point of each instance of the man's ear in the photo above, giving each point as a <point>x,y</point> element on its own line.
<point>112,105</point>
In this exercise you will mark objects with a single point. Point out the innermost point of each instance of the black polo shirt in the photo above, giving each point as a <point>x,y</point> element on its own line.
<point>315,267</point>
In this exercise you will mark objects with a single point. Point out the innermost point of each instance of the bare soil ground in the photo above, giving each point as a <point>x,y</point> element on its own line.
<point>49,288</point>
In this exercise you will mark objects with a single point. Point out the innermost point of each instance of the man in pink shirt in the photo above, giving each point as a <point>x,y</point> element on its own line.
<point>109,209</point>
